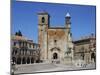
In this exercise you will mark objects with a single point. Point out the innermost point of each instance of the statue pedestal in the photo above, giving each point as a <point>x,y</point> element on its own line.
<point>68,60</point>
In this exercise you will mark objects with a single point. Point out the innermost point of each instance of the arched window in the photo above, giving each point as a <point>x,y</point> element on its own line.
<point>43,19</point>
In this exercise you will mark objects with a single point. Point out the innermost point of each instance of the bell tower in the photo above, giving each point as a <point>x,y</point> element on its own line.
<point>67,20</point>
<point>69,45</point>
<point>68,27</point>
<point>43,18</point>
<point>43,23</point>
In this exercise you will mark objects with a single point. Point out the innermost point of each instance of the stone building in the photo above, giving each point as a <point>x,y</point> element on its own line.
<point>85,49</point>
<point>55,45</point>
<point>24,51</point>
<point>55,42</point>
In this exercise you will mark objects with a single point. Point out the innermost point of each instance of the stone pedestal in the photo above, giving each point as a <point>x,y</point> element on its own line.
<point>68,60</point>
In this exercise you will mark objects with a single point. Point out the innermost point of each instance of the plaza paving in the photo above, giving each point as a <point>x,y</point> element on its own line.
<point>44,67</point>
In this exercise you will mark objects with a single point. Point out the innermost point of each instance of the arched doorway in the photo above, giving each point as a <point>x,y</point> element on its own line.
<point>13,59</point>
<point>82,56</point>
<point>55,56</point>
<point>93,58</point>
<point>19,60</point>
<point>23,60</point>
<point>37,61</point>
<point>32,60</point>
<point>28,60</point>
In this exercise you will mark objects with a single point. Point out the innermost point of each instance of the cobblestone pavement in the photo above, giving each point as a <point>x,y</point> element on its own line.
<point>43,67</point>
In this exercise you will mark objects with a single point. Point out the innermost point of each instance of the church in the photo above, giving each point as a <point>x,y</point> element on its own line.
<point>55,45</point>
<point>55,42</point>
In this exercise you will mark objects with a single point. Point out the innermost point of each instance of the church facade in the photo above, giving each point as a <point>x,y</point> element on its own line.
<point>55,42</point>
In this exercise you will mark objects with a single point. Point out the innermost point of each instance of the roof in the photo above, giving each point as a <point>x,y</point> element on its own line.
<point>42,12</point>
<point>18,37</point>
<point>57,27</point>
<point>67,15</point>
<point>84,40</point>
<point>21,38</point>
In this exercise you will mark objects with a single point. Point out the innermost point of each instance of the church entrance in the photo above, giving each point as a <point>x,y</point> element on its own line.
<point>55,58</point>
<point>55,55</point>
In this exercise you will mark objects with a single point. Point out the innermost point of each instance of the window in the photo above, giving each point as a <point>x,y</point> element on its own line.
<point>30,45</point>
<point>55,42</point>
<point>23,51</point>
<point>20,43</point>
<point>93,57</point>
<point>15,52</point>
<point>82,55</point>
<point>23,44</point>
<point>43,19</point>
<point>26,44</point>
<point>82,49</point>
<point>94,45</point>
<point>14,43</point>
<point>33,45</point>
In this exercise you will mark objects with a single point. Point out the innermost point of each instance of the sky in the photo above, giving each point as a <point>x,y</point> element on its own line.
<point>24,18</point>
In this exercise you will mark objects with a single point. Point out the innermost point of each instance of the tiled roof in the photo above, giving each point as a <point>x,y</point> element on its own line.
<point>21,38</point>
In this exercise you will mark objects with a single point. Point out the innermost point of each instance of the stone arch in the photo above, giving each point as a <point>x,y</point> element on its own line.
<point>55,53</point>
<point>24,60</point>
<point>14,59</point>
<point>19,60</point>
<point>82,56</point>
<point>37,61</point>
<point>55,49</point>
<point>15,51</point>
<point>55,56</point>
<point>32,60</point>
<point>28,60</point>
<point>93,57</point>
